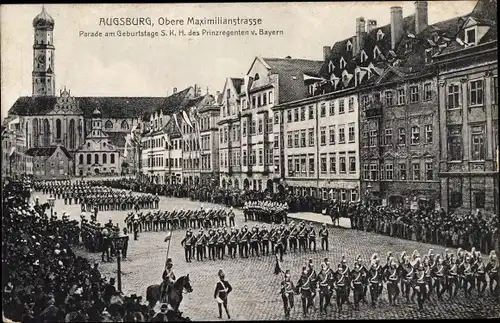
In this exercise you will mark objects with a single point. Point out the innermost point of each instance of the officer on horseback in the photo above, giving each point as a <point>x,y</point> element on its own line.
<point>168,281</point>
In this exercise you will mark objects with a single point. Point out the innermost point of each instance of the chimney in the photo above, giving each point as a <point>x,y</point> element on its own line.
<point>360,33</point>
<point>372,24</point>
<point>326,52</point>
<point>355,48</point>
<point>421,16</point>
<point>396,26</point>
<point>174,90</point>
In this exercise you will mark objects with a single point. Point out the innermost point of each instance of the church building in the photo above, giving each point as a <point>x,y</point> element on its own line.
<point>49,120</point>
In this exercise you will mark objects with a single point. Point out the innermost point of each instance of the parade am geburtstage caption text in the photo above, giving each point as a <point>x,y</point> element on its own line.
<point>178,27</point>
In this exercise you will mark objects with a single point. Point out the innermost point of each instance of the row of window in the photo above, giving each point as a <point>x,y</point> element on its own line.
<point>305,166</point>
<point>398,97</point>
<point>253,157</point>
<point>389,173</point>
<point>342,194</point>
<point>300,113</point>
<point>124,125</point>
<point>258,100</point>
<point>476,89</point>
<point>96,158</point>
<point>255,127</point>
<point>478,142</point>
<point>371,138</point>
<point>298,138</point>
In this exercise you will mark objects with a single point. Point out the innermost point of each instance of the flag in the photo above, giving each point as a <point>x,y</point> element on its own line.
<point>186,119</point>
<point>167,139</point>
<point>12,150</point>
<point>169,236</point>
<point>177,123</point>
<point>247,86</point>
<point>277,267</point>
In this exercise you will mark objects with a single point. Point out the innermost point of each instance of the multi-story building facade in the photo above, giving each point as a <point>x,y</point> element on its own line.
<point>191,138</point>
<point>468,106</point>
<point>320,145</point>
<point>14,158</point>
<point>269,82</point>
<point>399,117</point>
<point>51,162</point>
<point>209,115</point>
<point>230,133</point>
<point>173,160</point>
<point>159,126</point>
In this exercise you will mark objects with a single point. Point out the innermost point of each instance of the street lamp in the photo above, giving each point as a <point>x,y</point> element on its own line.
<point>51,203</point>
<point>118,244</point>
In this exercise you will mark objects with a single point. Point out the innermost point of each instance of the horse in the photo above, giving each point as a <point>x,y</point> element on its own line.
<point>153,292</point>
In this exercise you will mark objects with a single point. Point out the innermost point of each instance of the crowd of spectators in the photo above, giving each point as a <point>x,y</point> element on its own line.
<point>45,281</point>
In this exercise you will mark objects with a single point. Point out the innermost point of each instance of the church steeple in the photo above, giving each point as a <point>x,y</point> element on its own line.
<point>43,76</point>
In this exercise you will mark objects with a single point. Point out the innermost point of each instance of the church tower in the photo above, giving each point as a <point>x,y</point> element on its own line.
<point>43,82</point>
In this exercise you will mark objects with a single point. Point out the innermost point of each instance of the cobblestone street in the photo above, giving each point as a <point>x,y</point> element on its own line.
<point>255,293</point>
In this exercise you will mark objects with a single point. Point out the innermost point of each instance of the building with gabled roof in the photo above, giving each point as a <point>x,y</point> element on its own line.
<point>468,109</point>
<point>54,162</point>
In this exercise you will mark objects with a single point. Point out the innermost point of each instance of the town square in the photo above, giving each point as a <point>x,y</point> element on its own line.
<point>362,184</point>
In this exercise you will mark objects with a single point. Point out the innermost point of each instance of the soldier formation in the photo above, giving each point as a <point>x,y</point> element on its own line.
<point>219,240</point>
<point>265,211</point>
<point>411,277</point>
<point>97,198</point>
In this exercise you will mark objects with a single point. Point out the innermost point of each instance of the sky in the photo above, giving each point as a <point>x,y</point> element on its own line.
<point>143,66</point>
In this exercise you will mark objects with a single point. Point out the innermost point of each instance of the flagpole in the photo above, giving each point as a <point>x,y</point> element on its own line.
<point>168,248</point>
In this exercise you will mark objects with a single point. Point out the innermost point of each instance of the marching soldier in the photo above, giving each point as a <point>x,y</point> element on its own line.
<point>357,285</point>
<point>340,287</point>
<point>279,243</point>
<point>302,237</point>
<point>420,285</point>
<point>211,244</point>
<point>324,279</point>
<point>287,293</point>
<point>480,273</point>
<point>221,244</point>
<point>264,240</point>
<point>492,269</point>
<point>392,278</point>
<point>375,279</point>
<point>304,288</point>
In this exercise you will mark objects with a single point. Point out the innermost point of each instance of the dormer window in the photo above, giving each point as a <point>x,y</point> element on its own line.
<point>342,62</point>
<point>349,46</point>
<point>364,57</point>
<point>358,77</point>
<point>470,36</point>
<point>380,34</point>
<point>435,38</point>
<point>331,67</point>
<point>376,52</point>
<point>256,77</point>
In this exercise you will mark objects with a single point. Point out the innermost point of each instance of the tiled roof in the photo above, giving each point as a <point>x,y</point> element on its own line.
<point>46,151</point>
<point>117,139</point>
<point>110,107</point>
<point>176,101</point>
<point>291,81</point>
<point>486,11</point>
<point>237,83</point>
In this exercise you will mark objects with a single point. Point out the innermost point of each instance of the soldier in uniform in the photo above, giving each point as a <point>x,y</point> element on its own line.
<point>480,273</point>
<point>302,237</point>
<point>324,280</point>
<point>231,217</point>
<point>211,244</point>
<point>453,277</point>
<point>254,241</point>
<point>391,275</point>
<point>375,279</point>
<point>200,246</point>
<point>221,243</point>
<point>323,233</point>
<point>287,293</point>
<point>186,243</point>
<point>492,270</point>
<point>279,250</point>
<point>312,238</point>
<point>340,287</point>
<point>304,288</point>
<point>357,284</point>
<point>264,240</point>
<point>243,242</point>
<point>420,285</point>
<point>168,281</point>
<point>233,243</point>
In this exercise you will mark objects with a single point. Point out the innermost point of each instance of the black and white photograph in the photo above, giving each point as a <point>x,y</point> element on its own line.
<point>332,160</point>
